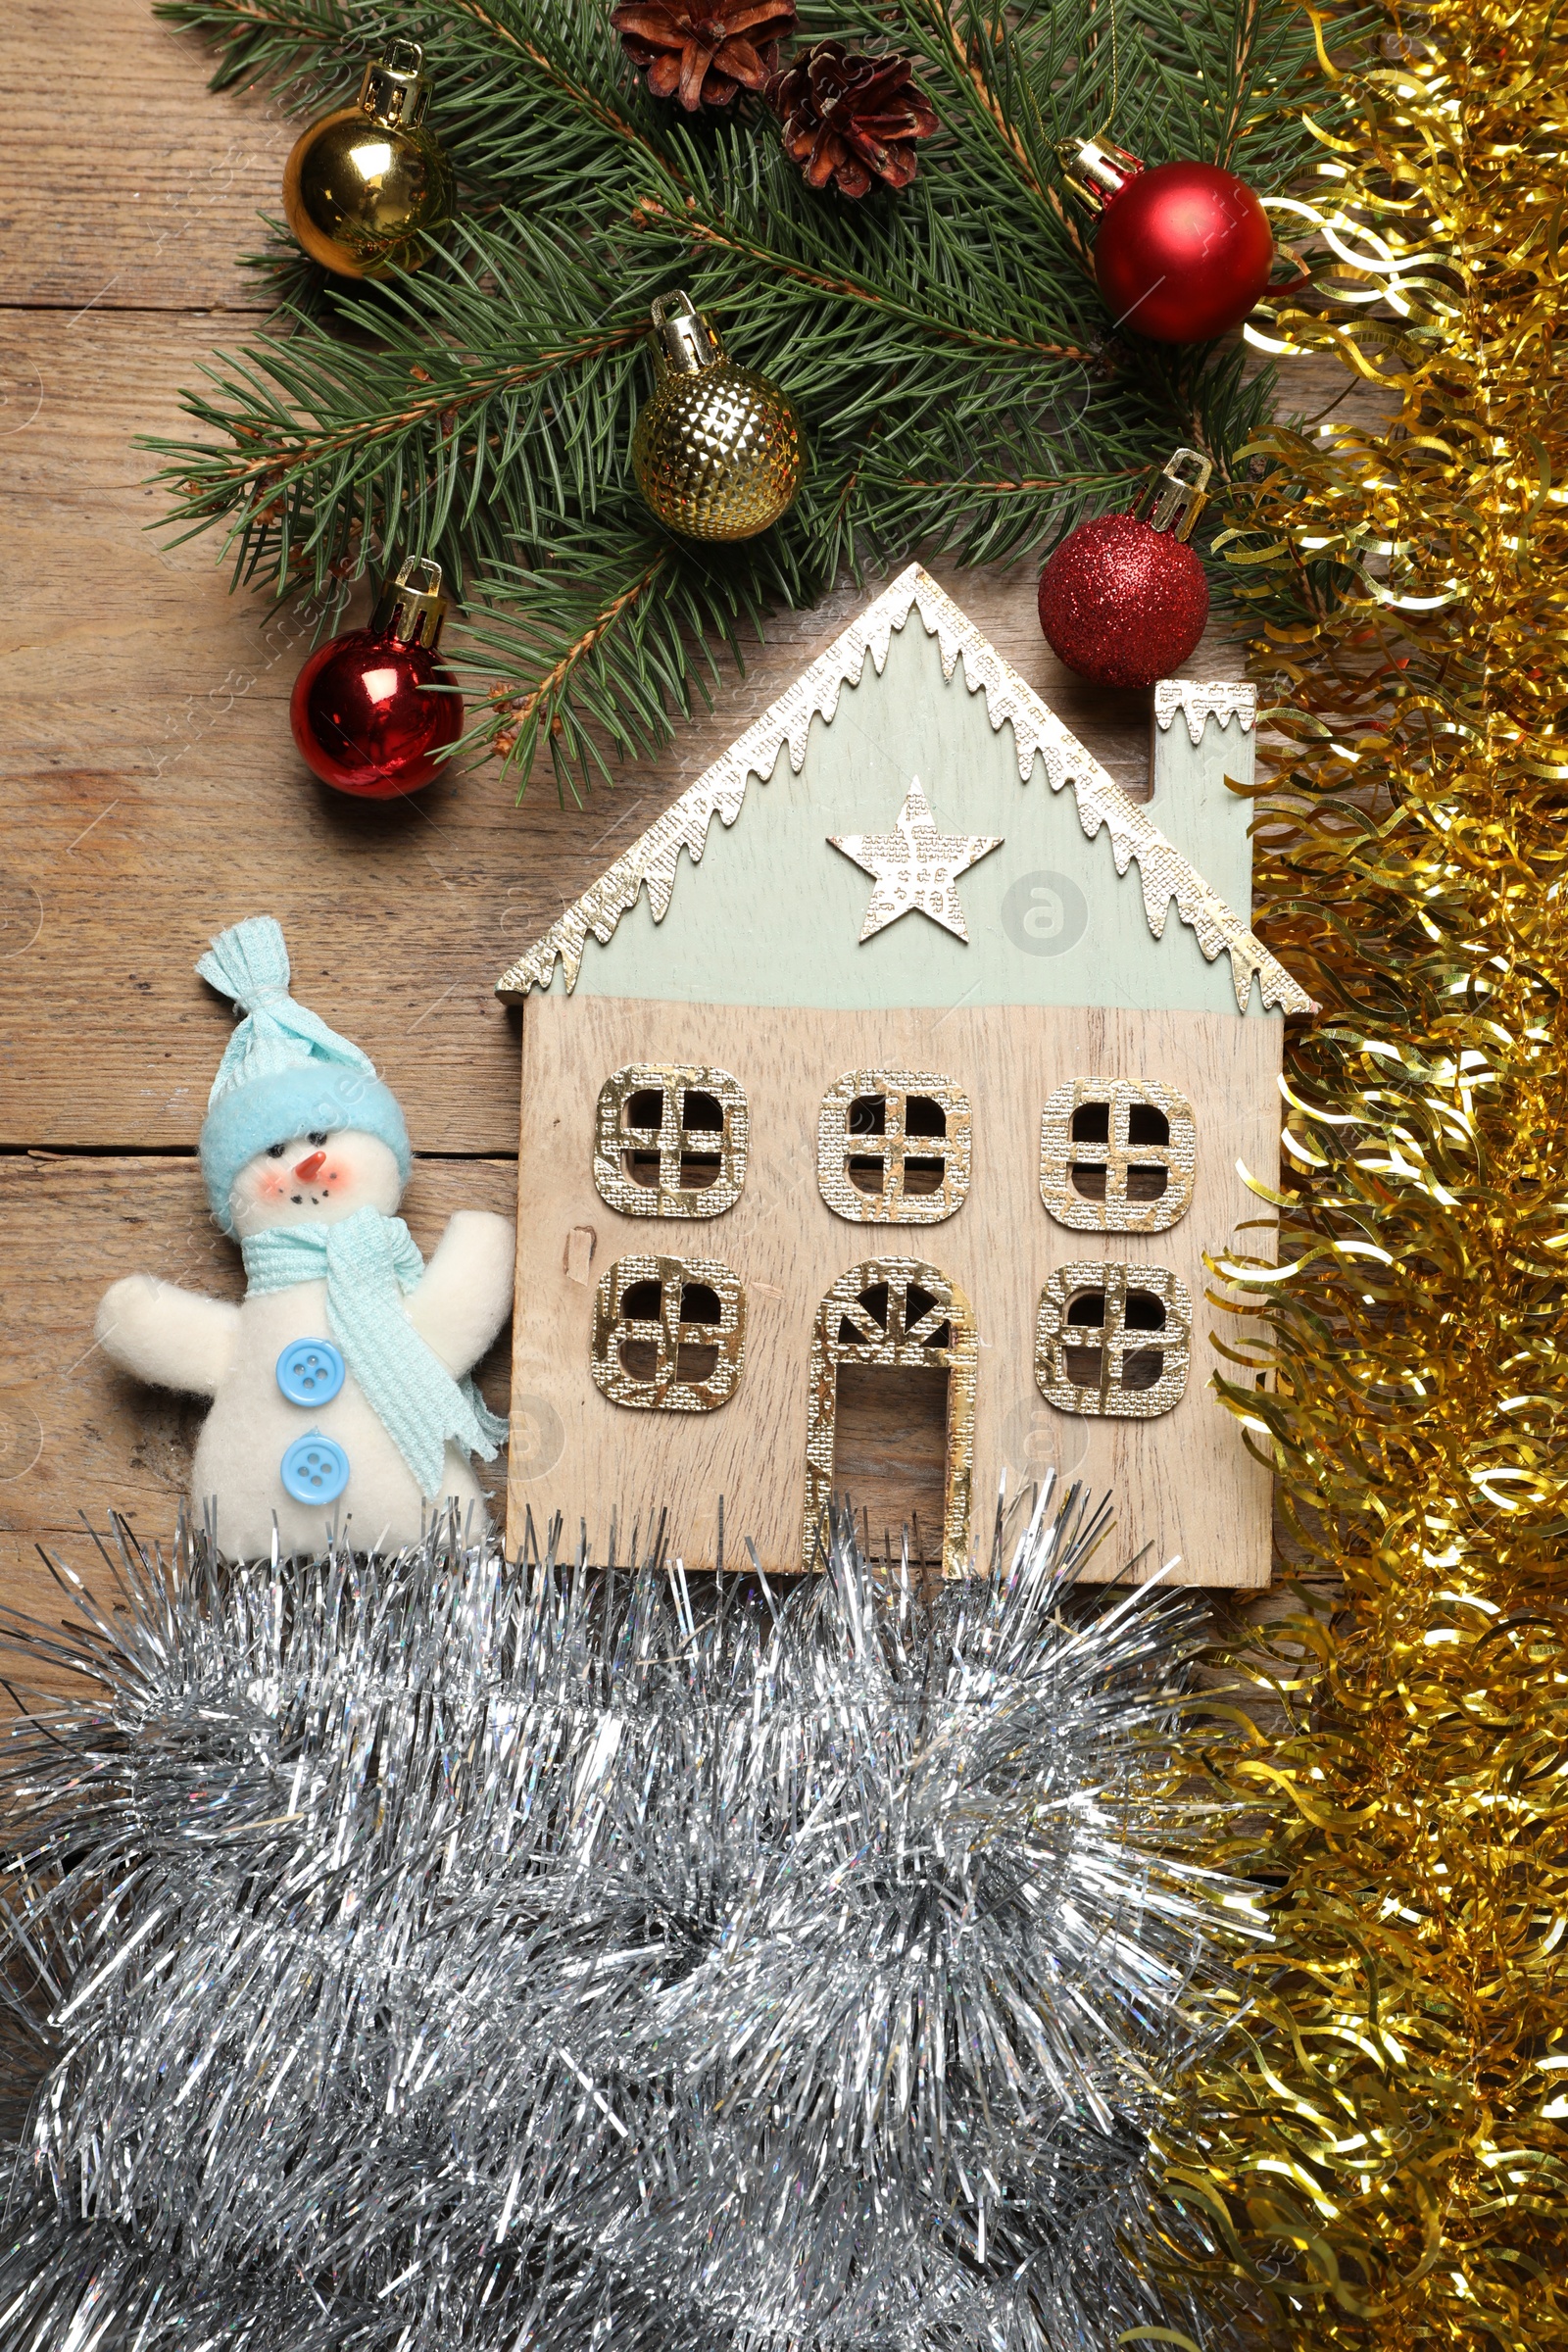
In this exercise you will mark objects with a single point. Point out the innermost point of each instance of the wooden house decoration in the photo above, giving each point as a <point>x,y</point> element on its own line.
<point>910,1067</point>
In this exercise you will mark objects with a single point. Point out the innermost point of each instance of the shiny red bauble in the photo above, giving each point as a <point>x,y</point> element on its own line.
<point>1122,603</point>
<point>364,720</point>
<point>364,712</point>
<point>1183,252</point>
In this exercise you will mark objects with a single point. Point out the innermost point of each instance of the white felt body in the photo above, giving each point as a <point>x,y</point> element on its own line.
<point>185,1341</point>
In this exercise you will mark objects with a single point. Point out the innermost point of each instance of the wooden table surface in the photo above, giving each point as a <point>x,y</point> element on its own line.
<point>153,794</point>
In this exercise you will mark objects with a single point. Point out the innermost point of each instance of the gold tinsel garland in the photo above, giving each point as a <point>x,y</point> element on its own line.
<point>1379,2158</point>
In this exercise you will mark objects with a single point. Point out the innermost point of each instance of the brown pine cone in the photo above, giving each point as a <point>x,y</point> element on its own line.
<point>848,118</point>
<point>703,52</point>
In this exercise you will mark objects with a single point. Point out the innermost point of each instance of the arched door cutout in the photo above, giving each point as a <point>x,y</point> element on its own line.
<point>893,1317</point>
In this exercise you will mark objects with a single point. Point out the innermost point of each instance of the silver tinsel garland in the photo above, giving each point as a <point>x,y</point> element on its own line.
<point>438,1952</point>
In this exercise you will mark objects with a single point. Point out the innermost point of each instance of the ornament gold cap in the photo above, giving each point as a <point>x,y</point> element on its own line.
<point>1097,171</point>
<point>396,90</point>
<point>410,608</point>
<point>1175,502</point>
<point>683,341</point>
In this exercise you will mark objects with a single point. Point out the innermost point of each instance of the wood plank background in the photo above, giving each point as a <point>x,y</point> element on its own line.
<point>152,792</point>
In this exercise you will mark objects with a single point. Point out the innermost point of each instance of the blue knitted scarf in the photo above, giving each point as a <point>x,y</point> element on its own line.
<point>368,1261</point>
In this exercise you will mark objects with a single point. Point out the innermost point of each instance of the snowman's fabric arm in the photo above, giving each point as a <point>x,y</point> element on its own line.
<point>465,1293</point>
<point>173,1338</point>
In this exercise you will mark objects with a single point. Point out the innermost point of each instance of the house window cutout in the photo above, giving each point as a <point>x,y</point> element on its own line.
<point>1117,1155</point>
<point>899,1313</point>
<point>669,1142</point>
<point>1113,1342</point>
<point>893,1148</point>
<point>669,1334</point>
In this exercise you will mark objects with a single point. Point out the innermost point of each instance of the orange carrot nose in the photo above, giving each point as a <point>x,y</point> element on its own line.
<point>304,1169</point>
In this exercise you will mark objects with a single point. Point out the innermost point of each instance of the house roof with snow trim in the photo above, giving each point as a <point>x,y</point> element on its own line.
<point>1069,904</point>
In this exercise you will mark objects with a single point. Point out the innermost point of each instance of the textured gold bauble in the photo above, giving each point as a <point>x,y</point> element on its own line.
<point>717,452</point>
<point>362,184</point>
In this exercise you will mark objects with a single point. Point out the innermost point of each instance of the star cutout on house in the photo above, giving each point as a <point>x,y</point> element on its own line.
<point>916,866</point>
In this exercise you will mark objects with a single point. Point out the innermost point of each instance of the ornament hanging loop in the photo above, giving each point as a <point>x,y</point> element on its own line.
<point>1096,170</point>
<point>395,93</point>
<point>1176,500</point>
<point>683,342</point>
<point>412,606</point>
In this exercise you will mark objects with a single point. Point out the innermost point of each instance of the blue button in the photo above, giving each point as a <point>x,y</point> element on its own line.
<point>315,1469</point>
<point>309,1371</point>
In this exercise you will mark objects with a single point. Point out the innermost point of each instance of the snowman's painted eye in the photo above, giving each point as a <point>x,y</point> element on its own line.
<point>274,1151</point>
<point>320,1137</point>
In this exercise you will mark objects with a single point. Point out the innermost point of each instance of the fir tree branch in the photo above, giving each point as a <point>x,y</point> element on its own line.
<point>960,385</point>
<point>293,42</point>
<point>296,453</point>
<point>1247,32</point>
<point>612,650</point>
<point>616,123</point>
<point>989,104</point>
<point>523,714</point>
<point>1016,485</point>
<point>717,237</point>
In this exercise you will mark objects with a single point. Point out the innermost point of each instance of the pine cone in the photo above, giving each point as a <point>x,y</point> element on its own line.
<point>848,117</point>
<point>703,52</point>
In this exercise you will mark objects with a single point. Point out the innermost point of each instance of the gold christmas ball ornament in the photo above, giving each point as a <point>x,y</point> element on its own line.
<point>360,185</point>
<point>717,452</point>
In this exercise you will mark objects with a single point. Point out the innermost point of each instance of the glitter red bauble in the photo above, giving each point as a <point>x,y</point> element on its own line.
<point>363,720</point>
<point>1183,252</point>
<point>1121,603</point>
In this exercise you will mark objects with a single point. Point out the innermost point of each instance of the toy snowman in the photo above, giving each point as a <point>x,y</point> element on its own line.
<point>340,1389</point>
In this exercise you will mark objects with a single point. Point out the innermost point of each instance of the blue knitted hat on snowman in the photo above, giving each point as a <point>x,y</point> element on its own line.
<point>284,1073</point>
